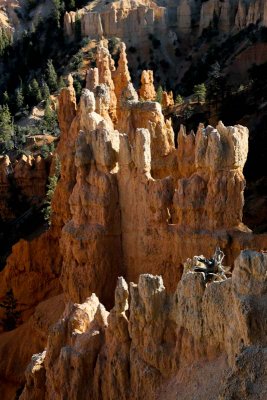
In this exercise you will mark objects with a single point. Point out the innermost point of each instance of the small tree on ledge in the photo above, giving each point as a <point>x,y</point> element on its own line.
<point>12,316</point>
<point>200,92</point>
<point>159,94</point>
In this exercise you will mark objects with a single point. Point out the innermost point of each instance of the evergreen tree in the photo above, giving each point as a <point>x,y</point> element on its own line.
<point>51,187</point>
<point>61,83</point>
<point>78,88</point>
<point>179,99</point>
<point>58,9</point>
<point>50,122</point>
<point>216,86</point>
<point>5,40</point>
<point>12,316</point>
<point>28,94</point>
<point>51,76</point>
<point>45,91</point>
<point>78,27</point>
<point>200,92</point>
<point>159,94</point>
<point>36,94</point>
<point>5,98</point>
<point>6,129</point>
<point>19,99</point>
<point>70,4</point>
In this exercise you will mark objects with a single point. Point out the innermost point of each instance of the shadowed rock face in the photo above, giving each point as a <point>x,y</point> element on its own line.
<point>150,339</point>
<point>128,203</point>
<point>24,179</point>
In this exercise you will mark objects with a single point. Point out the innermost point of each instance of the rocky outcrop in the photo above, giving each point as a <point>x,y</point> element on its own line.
<point>219,156</point>
<point>151,338</point>
<point>147,90</point>
<point>167,99</point>
<point>127,203</point>
<point>91,239</point>
<point>125,19</point>
<point>134,192</point>
<point>133,20</point>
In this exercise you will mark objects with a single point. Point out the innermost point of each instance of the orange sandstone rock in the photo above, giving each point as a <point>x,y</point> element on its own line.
<point>147,90</point>
<point>151,338</point>
<point>167,99</point>
<point>128,203</point>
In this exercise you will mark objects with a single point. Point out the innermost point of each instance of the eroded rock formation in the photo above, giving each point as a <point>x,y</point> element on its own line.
<point>147,90</point>
<point>132,20</point>
<point>152,339</point>
<point>127,203</point>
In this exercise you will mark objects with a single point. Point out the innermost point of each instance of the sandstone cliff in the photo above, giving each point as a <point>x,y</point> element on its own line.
<point>205,342</point>
<point>132,20</point>
<point>127,203</point>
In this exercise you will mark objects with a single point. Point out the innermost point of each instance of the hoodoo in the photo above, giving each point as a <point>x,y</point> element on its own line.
<point>132,219</point>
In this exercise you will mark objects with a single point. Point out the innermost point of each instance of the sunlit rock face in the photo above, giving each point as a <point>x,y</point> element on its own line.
<point>132,20</point>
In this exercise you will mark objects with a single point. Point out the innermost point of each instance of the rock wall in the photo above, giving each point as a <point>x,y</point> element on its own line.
<point>133,20</point>
<point>122,19</point>
<point>150,340</point>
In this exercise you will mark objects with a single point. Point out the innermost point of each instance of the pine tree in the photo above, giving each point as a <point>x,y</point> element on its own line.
<point>200,92</point>
<point>51,187</point>
<point>5,98</point>
<point>45,91</point>
<point>159,94</point>
<point>50,122</point>
<point>216,86</point>
<point>36,94</point>
<point>78,88</point>
<point>5,40</point>
<point>51,76</point>
<point>12,316</point>
<point>78,27</point>
<point>61,83</point>
<point>179,99</point>
<point>58,9</point>
<point>70,4</point>
<point>6,128</point>
<point>19,98</point>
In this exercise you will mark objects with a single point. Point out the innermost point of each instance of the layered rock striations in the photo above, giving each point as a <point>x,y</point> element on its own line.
<point>127,203</point>
<point>204,341</point>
